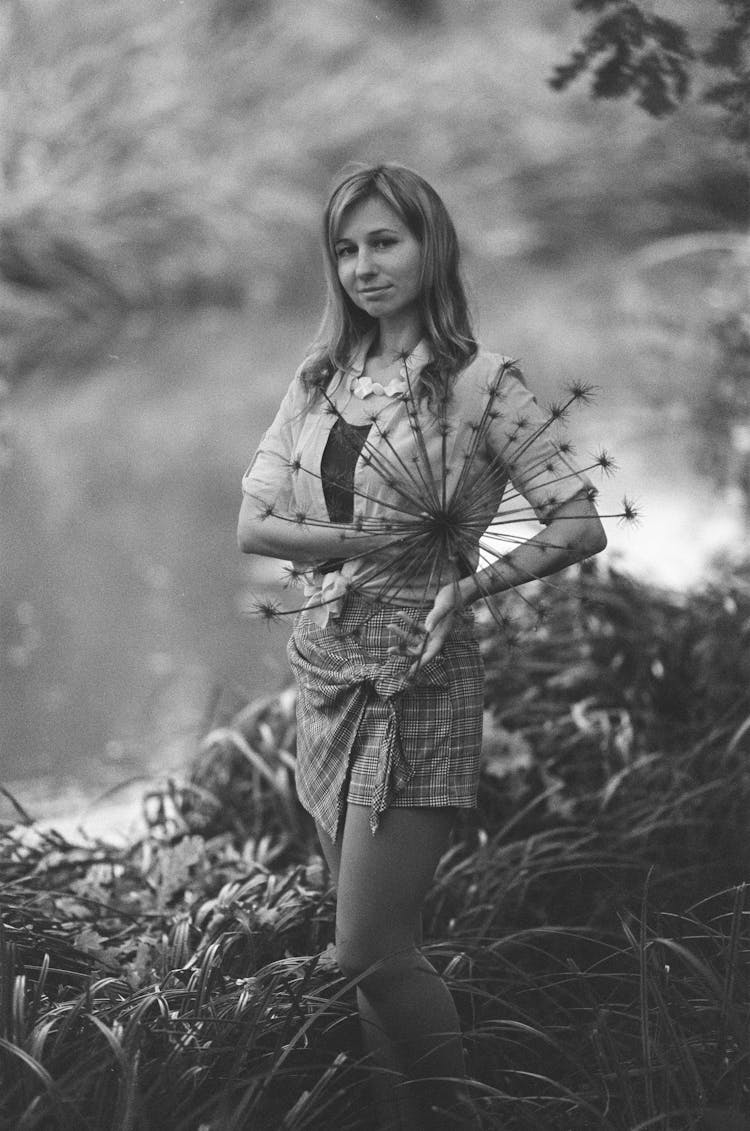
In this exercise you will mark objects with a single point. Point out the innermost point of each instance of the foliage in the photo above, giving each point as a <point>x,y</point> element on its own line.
<point>648,55</point>
<point>723,413</point>
<point>730,50</point>
<point>676,663</point>
<point>591,918</point>
<point>652,57</point>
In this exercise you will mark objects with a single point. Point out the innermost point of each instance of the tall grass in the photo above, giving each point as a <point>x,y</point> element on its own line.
<point>591,917</point>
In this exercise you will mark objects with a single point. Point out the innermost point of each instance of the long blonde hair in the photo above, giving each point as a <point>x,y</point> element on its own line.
<point>443,305</point>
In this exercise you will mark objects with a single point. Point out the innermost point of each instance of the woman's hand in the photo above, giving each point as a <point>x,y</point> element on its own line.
<point>424,643</point>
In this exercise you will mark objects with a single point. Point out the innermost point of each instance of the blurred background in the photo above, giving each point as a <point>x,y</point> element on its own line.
<point>164,168</point>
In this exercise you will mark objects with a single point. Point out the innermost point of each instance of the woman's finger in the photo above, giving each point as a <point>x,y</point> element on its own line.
<point>429,653</point>
<point>422,641</point>
<point>410,632</point>
<point>407,631</point>
<point>405,650</point>
<point>433,647</point>
<point>410,643</point>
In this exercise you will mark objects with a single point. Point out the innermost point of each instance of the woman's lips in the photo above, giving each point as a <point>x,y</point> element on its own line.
<point>373,292</point>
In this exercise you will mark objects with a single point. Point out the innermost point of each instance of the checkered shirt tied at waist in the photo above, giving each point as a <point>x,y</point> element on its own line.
<point>338,684</point>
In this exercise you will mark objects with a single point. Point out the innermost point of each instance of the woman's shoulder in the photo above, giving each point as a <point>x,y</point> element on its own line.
<point>314,375</point>
<point>488,367</point>
<point>296,398</point>
<point>490,360</point>
<point>307,369</point>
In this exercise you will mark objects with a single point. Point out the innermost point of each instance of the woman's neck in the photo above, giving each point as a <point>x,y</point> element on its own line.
<point>396,338</point>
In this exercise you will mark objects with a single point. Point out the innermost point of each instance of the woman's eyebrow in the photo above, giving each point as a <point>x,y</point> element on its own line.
<point>368,235</point>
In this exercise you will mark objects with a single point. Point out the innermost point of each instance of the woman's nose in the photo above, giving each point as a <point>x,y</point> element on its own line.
<point>364,265</point>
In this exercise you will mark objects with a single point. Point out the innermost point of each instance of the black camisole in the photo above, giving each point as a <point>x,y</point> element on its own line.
<point>342,450</point>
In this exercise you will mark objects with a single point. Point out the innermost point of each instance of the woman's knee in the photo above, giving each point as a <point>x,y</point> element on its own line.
<point>375,964</point>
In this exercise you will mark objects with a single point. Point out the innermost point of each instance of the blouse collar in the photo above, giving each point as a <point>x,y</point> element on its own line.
<point>408,372</point>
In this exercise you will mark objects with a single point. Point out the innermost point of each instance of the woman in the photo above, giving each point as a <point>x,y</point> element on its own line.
<point>386,462</point>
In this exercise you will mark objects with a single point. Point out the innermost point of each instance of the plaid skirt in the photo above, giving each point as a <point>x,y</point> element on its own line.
<point>367,734</point>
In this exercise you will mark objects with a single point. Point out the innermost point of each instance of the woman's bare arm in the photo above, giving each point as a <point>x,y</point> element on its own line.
<point>574,533</point>
<point>274,537</point>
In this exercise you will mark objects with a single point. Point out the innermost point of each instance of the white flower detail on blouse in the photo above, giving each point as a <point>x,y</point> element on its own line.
<point>361,385</point>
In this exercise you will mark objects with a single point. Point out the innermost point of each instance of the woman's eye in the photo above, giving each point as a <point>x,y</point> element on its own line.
<point>380,244</point>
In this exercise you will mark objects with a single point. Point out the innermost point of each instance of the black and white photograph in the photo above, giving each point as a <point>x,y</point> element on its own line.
<point>374,565</point>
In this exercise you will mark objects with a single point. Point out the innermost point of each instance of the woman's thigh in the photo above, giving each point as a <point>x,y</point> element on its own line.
<point>383,879</point>
<point>331,853</point>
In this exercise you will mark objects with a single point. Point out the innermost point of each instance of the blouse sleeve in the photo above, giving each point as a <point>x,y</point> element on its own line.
<point>268,479</point>
<point>522,440</point>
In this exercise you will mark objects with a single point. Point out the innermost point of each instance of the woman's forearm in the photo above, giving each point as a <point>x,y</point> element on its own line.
<point>575,533</point>
<point>274,537</point>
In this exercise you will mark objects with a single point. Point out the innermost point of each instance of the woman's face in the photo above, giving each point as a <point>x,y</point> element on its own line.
<point>379,260</point>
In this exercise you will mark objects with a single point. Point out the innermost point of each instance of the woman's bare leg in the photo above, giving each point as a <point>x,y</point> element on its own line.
<point>331,853</point>
<point>378,1048</point>
<point>332,856</point>
<point>409,1021</point>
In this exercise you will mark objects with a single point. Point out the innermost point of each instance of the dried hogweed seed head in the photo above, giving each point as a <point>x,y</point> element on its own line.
<point>630,512</point>
<point>293,575</point>
<point>268,609</point>
<point>557,411</point>
<point>581,391</point>
<point>451,521</point>
<point>604,461</point>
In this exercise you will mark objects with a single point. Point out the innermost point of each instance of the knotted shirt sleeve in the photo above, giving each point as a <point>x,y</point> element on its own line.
<point>524,443</point>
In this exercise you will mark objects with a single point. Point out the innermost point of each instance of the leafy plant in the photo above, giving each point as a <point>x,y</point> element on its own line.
<point>652,57</point>
<point>590,918</point>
